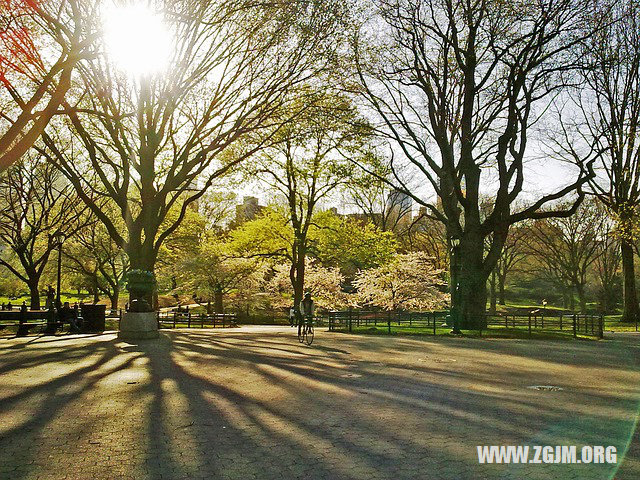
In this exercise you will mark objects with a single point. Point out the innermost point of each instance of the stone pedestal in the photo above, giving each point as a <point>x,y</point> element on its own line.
<point>138,326</point>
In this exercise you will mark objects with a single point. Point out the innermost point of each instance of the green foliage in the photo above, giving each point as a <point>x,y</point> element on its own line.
<point>351,244</point>
<point>335,241</point>
<point>213,270</point>
<point>268,236</point>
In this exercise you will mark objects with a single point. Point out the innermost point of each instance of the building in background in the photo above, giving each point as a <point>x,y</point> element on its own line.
<point>248,210</point>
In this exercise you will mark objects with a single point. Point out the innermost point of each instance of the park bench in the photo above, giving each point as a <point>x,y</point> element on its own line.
<point>26,320</point>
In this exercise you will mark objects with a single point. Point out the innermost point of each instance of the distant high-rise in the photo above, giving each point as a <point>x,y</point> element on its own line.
<point>247,210</point>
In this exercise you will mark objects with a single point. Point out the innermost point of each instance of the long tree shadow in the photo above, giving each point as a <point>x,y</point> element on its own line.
<point>48,400</point>
<point>241,405</point>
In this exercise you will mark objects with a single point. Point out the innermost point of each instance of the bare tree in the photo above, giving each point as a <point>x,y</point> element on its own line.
<point>566,248</point>
<point>513,252</point>
<point>378,202</point>
<point>607,269</point>
<point>93,255</point>
<point>430,236</point>
<point>157,145</point>
<point>607,118</point>
<point>457,86</point>
<point>33,84</point>
<point>37,206</point>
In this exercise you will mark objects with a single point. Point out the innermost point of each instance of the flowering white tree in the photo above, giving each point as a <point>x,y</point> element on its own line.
<point>408,282</point>
<point>323,283</point>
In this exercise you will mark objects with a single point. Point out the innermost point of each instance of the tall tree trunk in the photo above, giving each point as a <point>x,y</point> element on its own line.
<point>218,300</point>
<point>296,275</point>
<point>604,300</point>
<point>472,294</point>
<point>492,308</point>
<point>34,293</point>
<point>566,303</point>
<point>572,300</point>
<point>581,298</point>
<point>114,297</point>
<point>96,291</point>
<point>142,256</point>
<point>501,281</point>
<point>631,310</point>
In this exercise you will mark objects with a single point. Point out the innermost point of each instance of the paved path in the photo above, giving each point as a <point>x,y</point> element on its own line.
<point>251,403</point>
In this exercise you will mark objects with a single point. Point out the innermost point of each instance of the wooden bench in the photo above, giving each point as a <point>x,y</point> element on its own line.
<point>26,320</point>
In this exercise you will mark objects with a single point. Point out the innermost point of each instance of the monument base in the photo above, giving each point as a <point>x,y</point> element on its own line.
<point>138,326</point>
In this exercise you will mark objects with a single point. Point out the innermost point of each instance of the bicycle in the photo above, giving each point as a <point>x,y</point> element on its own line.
<point>305,334</point>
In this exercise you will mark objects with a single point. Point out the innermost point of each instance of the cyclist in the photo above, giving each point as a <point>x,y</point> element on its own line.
<point>307,310</point>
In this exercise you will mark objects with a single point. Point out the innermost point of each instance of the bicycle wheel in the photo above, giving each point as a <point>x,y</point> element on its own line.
<point>301,334</point>
<point>308,335</point>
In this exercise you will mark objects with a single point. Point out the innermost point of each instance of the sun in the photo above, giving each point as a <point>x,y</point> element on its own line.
<point>136,39</point>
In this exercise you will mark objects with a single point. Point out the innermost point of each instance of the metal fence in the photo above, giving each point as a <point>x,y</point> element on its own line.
<point>428,322</point>
<point>195,320</point>
<point>574,323</point>
<point>350,319</point>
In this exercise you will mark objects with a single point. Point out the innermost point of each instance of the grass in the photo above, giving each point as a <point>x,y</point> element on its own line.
<point>612,323</point>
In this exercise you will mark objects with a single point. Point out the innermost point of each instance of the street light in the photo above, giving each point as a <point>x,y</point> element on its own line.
<point>59,239</point>
<point>455,284</point>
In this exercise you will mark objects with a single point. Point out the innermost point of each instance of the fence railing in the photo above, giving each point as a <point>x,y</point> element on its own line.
<point>195,320</point>
<point>428,322</point>
<point>350,319</point>
<point>577,324</point>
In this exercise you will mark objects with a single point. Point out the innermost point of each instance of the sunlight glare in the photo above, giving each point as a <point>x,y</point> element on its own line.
<point>137,40</point>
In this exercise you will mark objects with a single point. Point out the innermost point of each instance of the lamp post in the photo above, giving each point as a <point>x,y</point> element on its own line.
<point>59,238</point>
<point>455,284</point>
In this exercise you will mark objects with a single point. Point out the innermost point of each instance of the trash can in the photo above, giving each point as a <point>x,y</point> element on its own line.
<point>93,317</point>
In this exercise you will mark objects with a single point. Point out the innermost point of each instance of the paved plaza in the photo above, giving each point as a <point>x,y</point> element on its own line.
<point>252,403</point>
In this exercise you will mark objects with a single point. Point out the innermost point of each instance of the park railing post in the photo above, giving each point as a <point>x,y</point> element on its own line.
<point>561,321</point>
<point>350,320</point>
<point>389,321</point>
<point>529,324</point>
<point>575,327</point>
<point>434,323</point>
